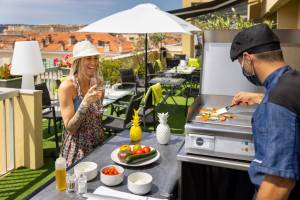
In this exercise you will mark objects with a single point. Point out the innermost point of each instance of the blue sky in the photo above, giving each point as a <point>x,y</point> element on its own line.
<point>69,11</point>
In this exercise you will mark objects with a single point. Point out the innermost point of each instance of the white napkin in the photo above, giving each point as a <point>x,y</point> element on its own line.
<point>102,190</point>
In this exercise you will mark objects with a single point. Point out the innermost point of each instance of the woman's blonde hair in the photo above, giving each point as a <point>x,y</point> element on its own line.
<point>75,68</point>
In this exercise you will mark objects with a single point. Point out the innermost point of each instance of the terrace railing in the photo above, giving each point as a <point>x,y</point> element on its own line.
<point>20,129</point>
<point>8,133</point>
<point>50,76</point>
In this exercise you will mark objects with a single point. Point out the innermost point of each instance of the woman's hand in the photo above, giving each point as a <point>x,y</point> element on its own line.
<point>67,92</point>
<point>93,94</point>
<point>247,98</point>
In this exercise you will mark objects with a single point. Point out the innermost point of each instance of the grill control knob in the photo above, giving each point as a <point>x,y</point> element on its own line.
<point>199,141</point>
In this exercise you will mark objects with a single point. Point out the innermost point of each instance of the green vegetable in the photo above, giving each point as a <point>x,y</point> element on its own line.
<point>136,147</point>
<point>140,157</point>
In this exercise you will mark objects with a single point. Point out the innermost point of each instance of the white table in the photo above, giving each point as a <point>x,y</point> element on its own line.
<point>116,94</point>
<point>112,95</point>
<point>181,70</point>
<point>107,102</point>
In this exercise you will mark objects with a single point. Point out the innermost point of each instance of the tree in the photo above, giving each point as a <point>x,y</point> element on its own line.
<point>157,38</point>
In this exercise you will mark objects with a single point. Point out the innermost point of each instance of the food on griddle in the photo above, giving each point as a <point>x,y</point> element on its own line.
<point>210,113</point>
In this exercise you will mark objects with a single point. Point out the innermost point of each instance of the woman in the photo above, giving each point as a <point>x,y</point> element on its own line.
<point>79,103</point>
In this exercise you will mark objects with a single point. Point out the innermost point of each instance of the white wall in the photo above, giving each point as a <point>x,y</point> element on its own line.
<point>220,75</point>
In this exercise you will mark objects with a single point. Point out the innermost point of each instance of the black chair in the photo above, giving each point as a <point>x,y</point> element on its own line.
<point>118,124</point>
<point>128,80</point>
<point>193,90</point>
<point>151,71</point>
<point>180,56</point>
<point>49,112</point>
<point>147,109</point>
<point>172,62</point>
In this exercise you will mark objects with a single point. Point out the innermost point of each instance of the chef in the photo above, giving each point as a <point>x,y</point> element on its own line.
<point>276,120</point>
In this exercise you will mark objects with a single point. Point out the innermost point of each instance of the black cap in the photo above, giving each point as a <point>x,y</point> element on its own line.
<point>257,39</point>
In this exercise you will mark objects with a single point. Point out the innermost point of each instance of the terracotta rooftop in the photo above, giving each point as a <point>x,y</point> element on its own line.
<point>64,41</point>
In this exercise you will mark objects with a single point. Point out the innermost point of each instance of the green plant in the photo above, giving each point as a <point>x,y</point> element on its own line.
<point>157,38</point>
<point>5,72</point>
<point>270,23</point>
<point>229,21</point>
<point>110,70</point>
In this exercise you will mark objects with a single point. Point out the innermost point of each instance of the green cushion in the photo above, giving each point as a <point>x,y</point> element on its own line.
<point>158,66</point>
<point>194,62</point>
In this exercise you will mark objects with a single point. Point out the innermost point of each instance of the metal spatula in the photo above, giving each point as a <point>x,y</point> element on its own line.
<point>224,110</point>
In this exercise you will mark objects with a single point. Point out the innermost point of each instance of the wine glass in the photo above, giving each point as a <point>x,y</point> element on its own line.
<point>107,87</point>
<point>98,80</point>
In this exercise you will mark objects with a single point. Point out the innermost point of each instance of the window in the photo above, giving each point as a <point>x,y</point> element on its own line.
<point>101,43</point>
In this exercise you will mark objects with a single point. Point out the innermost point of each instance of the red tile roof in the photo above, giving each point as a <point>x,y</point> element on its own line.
<point>58,38</point>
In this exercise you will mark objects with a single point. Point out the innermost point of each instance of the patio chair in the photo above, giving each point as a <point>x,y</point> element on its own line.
<point>147,109</point>
<point>158,66</point>
<point>128,79</point>
<point>118,124</point>
<point>49,111</point>
<point>193,90</point>
<point>180,56</point>
<point>194,62</point>
<point>152,72</point>
<point>172,62</point>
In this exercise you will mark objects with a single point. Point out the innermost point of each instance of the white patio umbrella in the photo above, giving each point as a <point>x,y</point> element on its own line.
<point>141,19</point>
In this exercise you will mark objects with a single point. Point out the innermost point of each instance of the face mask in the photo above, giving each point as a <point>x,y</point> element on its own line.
<point>251,77</point>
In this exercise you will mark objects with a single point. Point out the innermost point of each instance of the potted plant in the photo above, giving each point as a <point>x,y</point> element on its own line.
<point>223,28</point>
<point>63,64</point>
<point>8,80</point>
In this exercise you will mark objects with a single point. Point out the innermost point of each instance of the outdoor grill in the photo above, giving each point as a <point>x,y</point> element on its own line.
<point>229,139</point>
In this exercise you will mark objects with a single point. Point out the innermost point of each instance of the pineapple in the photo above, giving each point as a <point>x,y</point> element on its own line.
<point>135,130</point>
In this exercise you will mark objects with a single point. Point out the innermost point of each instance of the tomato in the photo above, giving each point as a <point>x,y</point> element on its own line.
<point>146,149</point>
<point>110,171</point>
<point>140,151</point>
<point>134,152</point>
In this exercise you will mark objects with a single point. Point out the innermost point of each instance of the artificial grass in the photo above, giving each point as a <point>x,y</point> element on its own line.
<point>21,182</point>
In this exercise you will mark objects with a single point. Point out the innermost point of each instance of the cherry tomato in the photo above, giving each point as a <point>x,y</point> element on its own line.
<point>146,149</point>
<point>134,152</point>
<point>140,151</point>
<point>110,171</point>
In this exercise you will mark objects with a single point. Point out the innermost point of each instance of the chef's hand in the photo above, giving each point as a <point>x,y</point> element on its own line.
<point>247,98</point>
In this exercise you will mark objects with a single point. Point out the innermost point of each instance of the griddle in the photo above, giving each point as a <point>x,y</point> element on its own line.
<point>241,123</point>
<point>226,140</point>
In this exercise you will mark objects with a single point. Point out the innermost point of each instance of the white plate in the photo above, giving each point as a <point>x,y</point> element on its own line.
<point>114,157</point>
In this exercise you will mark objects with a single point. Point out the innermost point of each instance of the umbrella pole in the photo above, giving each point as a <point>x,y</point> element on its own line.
<point>146,61</point>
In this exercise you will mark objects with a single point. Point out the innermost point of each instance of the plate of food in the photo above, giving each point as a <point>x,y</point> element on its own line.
<point>135,155</point>
<point>210,114</point>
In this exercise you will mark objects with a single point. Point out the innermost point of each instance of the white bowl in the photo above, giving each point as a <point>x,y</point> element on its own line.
<point>89,168</point>
<point>139,183</point>
<point>112,180</point>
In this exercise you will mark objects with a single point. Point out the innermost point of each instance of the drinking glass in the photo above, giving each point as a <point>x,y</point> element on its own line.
<point>82,184</point>
<point>98,79</point>
<point>107,87</point>
<point>71,182</point>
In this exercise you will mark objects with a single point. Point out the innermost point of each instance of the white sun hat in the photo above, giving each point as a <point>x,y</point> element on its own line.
<point>83,49</point>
